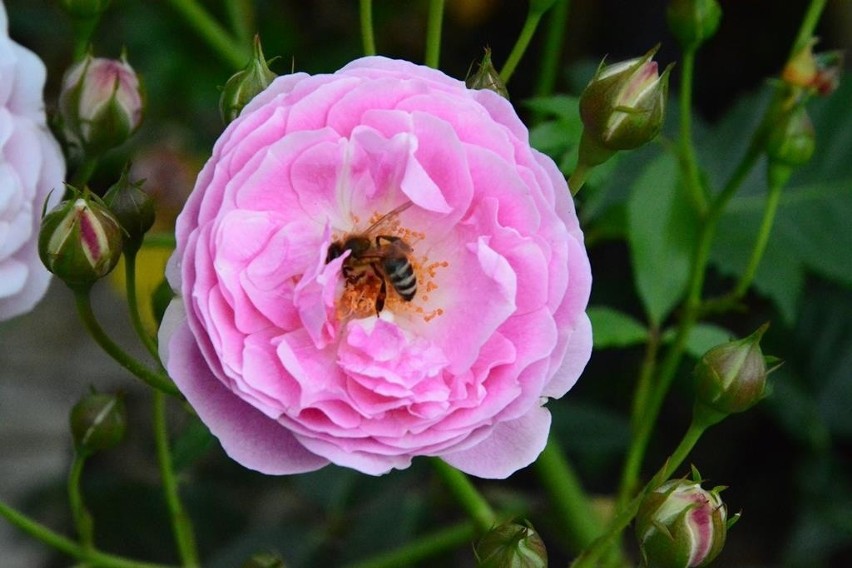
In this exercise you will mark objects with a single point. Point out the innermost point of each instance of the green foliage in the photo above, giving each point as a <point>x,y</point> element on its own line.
<point>662,230</point>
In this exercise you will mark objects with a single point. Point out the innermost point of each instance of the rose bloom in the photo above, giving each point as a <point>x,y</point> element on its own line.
<point>278,345</point>
<point>31,165</point>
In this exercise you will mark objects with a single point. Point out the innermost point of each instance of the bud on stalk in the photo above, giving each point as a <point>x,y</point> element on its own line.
<point>622,107</point>
<point>731,377</point>
<point>100,104</point>
<point>815,72</point>
<point>693,21</point>
<point>244,85</point>
<point>487,77</point>
<point>511,545</point>
<point>80,240</point>
<point>681,525</point>
<point>98,423</point>
<point>133,208</point>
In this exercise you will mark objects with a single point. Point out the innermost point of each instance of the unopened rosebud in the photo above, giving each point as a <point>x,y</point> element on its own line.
<point>511,545</point>
<point>731,377</point>
<point>263,560</point>
<point>622,107</point>
<point>85,9</point>
<point>80,240</point>
<point>792,139</point>
<point>133,208</point>
<point>244,85</point>
<point>487,77</point>
<point>100,103</point>
<point>98,422</point>
<point>681,525</point>
<point>816,72</point>
<point>693,21</point>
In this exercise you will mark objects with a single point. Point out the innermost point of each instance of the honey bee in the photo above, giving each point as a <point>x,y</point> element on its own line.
<point>386,256</point>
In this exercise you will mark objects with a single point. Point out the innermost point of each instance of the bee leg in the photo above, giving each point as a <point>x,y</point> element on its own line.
<point>383,293</point>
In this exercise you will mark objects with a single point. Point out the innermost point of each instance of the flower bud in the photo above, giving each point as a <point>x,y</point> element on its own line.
<point>244,85</point>
<point>100,104</point>
<point>818,73</point>
<point>85,9</point>
<point>791,138</point>
<point>693,21</point>
<point>511,545</point>
<point>487,77</point>
<point>133,208</point>
<point>732,377</point>
<point>98,422</point>
<point>622,107</point>
<point>681,525</point>
<point>80,240</point>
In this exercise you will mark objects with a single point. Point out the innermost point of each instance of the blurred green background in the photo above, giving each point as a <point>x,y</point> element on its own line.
<point>788,462</point>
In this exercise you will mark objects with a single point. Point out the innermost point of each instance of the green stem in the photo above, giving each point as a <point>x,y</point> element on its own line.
<point>84,29</point>
<point>181,525</point>
<point>581,524</point>
<point>646,376</point>
<point>157,380</point>
<point>433,33</point>
<point>367,36</point>
<point>424,547</point>
<point>809,23</point>
<point>82,518</point>
<point>467,495</point>
<point>66,545</point>
<point>226,47</point>
<point>772,200</point>
<point>160,240</point>
<point>578,177</point>
<point>523,41</point>
<point>552,53</point>
<point>241,18</point>
<point>84,173</point>
<point>133,306</point>
<point>688,158</point>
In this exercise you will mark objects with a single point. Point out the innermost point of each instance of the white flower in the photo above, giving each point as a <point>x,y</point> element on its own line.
<point>31,165</point>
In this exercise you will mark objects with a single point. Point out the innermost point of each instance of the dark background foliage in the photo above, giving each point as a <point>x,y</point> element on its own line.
<point>787,462</point>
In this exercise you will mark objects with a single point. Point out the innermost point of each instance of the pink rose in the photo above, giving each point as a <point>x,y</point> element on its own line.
<point>31,165</point>
<point>276,343</point>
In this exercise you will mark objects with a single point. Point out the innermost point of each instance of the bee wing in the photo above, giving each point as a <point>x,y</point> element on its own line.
<point>386,218</point>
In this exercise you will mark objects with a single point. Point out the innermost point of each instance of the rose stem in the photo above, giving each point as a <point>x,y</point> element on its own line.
<point>227,48</point>
<point>433,33</point>
<point>423,547</point>
<point>466,493</point>
<point>367,36</point>
<point>181,525</point>
<point>156,380</point>
<point>67,546</point>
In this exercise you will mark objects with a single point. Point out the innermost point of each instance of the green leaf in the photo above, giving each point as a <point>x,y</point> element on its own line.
<point>662,235</point>
<point>615,329</point>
